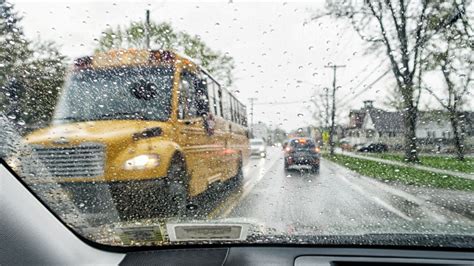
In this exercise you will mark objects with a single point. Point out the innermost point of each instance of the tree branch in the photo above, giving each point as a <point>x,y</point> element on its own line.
<point>446,23</point>
<point>390,51</point>
<point>436,97</point>
<point>394,17</point>
<point>419,30</point>
<point>358,30</point>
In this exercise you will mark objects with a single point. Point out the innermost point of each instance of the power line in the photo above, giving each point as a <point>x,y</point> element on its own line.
<point>280,103</point>
<point>363,80</point>
<point>368,87</point>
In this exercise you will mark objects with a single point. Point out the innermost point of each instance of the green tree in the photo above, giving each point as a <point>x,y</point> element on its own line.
<point>163,36</point>
<point>13,46</point>
<point>31,75</point>
<point>43,78</point>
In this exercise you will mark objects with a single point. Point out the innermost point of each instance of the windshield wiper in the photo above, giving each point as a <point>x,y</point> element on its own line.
<point>68,118</point>
<point>121,115</point>
<point>111,116</point>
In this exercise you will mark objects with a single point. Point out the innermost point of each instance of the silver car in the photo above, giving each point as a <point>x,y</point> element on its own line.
<point>258,147</point>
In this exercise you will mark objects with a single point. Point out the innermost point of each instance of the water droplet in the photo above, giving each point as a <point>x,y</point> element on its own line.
<point>299,115</point>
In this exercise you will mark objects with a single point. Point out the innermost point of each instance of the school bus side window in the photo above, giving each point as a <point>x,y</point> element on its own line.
<point>214,95</point>
<point>187,87</point>
<point>201,99</point>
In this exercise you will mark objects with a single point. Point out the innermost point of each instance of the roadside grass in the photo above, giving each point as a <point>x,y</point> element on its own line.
<point>406,175</point>
<point>440,162</point>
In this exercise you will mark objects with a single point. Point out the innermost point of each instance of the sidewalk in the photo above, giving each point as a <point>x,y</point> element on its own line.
<point>419,167</point>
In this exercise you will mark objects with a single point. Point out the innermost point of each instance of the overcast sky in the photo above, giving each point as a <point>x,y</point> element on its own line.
<point>279,55</point>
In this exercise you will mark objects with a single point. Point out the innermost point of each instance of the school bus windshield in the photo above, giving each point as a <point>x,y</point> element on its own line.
<point>137,93</point>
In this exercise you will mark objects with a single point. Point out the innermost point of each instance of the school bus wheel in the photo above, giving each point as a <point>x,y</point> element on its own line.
<point>177,185</point>
<point>238,178</point>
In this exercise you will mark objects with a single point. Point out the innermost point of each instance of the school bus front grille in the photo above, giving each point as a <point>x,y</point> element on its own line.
<point>79,161</point>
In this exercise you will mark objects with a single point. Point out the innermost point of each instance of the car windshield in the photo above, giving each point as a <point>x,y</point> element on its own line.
<point>122,93</point>
<point>184,123</point>
<point>256,142</point>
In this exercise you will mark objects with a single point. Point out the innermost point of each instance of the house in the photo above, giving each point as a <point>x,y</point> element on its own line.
<point>433,130</point>
<point>370,124</point>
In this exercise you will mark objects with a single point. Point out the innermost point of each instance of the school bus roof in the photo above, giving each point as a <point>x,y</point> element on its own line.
<point>132,57</point>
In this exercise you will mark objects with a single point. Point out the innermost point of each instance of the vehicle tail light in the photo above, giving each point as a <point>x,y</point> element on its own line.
<point>288,150</point>
<point>317,149</point>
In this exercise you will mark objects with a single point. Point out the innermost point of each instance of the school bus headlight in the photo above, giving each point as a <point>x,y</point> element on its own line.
<point>141,162</point>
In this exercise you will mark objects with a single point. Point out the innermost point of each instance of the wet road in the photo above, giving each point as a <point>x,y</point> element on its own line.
<point>334,201</point>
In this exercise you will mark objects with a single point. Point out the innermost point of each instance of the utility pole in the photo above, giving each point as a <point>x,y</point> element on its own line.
<point>252,100</point>
<point>326,117</point>
<point>333,111</point>
<point>147,29</point>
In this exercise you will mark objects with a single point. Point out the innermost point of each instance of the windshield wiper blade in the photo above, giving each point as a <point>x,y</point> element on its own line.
<point>68,118</point>
<point>122,114</point>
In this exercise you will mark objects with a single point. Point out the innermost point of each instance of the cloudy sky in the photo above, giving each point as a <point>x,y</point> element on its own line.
<point>279,52</point>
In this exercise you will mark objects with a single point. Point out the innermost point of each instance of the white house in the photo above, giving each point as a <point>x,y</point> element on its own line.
<point>373,125</point>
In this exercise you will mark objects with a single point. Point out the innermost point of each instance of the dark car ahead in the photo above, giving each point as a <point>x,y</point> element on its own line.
<point>373,147</point>
<point>302,151</point>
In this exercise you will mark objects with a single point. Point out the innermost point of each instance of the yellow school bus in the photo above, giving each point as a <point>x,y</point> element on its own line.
<point>144,120</point>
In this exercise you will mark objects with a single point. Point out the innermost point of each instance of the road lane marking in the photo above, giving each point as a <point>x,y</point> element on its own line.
<point>377,200</point>
<point>436,216</point>
<point>247,170</point>
<point>427,210</point>
<point>391,208</point>
<point>246,189</point>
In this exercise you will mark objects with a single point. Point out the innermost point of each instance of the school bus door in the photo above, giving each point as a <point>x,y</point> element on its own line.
<point>192,136</point>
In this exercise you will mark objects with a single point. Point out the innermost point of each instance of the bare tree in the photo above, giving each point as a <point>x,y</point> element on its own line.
<point>401,29</point>
<point>452,55</point>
